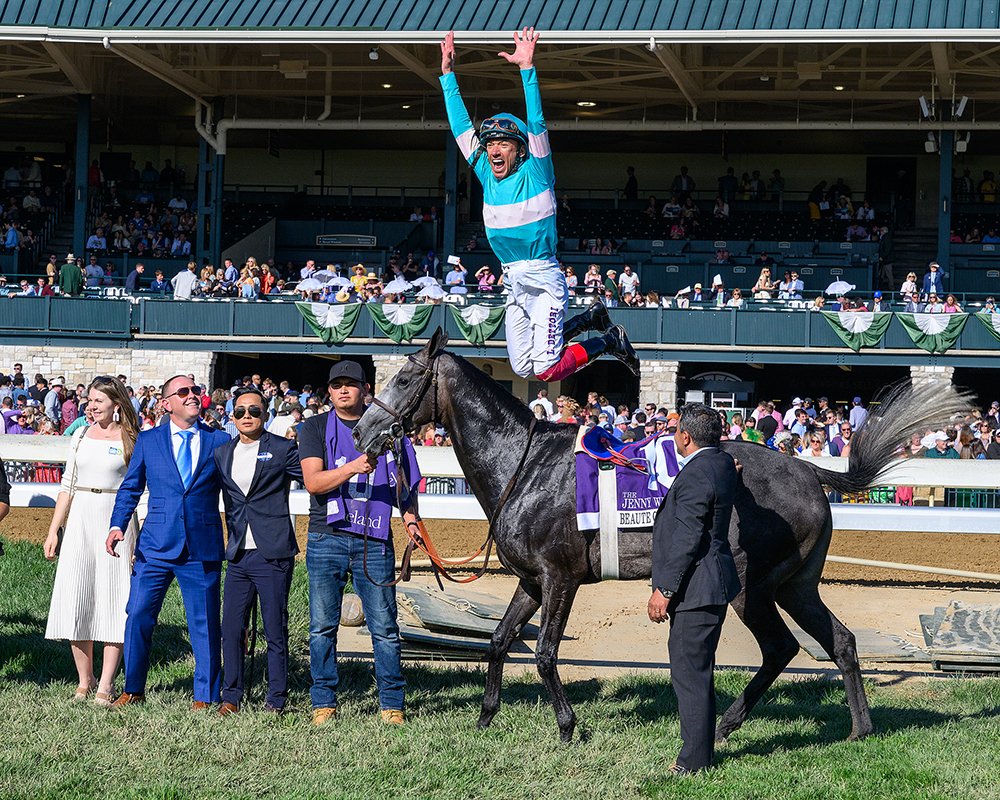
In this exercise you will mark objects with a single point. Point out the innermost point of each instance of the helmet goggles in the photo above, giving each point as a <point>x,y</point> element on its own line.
<point>501,128</point>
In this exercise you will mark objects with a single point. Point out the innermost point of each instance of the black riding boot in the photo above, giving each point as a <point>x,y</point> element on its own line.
<point>614,342</point>
<point>595,318</point>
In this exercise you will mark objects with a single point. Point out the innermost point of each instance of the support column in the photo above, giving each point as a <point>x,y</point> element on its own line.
<point>206,166</point>
<point>946,140</point>
<point>450,198</point>
<point>923,374</point>
<point>385,368</point>
<point>658,383</point>
<point>218,174</point>
<point>81,195</point>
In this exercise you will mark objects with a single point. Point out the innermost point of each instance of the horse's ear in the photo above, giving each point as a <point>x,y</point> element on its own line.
<point>439,340</point>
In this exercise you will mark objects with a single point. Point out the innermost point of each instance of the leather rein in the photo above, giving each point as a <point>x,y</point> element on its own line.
<point>406,500</point>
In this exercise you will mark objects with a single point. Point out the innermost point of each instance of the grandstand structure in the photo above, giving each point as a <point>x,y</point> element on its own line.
<point>297,119</point>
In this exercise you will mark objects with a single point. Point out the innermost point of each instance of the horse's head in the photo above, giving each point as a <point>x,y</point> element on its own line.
<point>408,400</point>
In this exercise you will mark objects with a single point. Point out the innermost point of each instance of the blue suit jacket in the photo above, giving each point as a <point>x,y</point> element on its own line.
<point>265,506</point>
<point>177,518</point>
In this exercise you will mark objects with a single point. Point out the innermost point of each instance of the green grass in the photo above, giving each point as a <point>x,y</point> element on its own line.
<point>937,739</point>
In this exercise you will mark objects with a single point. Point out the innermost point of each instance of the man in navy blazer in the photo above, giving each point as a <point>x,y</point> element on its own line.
<point>180,538</point>
<point>256,470</point>
<point>695,576</point>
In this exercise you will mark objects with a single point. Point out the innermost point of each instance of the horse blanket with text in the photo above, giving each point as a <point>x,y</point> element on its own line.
<point>613,497</point>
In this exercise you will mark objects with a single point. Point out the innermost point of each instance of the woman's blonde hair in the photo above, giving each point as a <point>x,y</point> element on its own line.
<point>117,394</point>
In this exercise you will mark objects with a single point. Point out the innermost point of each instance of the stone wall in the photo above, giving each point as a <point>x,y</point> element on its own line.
<point>922,374</point>
<point>658,383</point>
<point>385,368</point>
<point>143,367</point>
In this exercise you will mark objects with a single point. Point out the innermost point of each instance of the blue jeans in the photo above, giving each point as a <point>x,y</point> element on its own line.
<point>329,559</point>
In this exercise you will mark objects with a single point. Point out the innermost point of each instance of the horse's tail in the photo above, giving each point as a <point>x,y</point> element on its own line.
<point>903,409</point>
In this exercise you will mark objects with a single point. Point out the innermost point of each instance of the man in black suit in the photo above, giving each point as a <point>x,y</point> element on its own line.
<point>694,576</point>
<point>256,469</point>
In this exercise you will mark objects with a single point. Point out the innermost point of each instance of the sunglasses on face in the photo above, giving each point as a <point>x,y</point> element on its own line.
<point>184,391</point>
<point>241,411</point>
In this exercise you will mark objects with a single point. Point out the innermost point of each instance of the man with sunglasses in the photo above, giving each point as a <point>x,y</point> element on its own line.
<point>180,538</point>
<point>513,162</point>
<point>256,470</point>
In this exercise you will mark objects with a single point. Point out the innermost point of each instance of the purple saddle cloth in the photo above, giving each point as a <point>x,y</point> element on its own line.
<point>638,487</point>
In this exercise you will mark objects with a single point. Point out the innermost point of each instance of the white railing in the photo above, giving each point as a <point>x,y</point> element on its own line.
<point>442,462</point>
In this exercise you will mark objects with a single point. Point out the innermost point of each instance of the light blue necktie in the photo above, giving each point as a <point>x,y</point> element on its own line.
<point>184,457</point>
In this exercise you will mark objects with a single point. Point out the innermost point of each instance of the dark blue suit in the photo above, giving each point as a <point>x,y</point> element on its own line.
<point>181,538</point>
<point>265,570</point>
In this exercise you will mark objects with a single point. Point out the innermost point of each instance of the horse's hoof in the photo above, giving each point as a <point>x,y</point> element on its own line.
<point>485,719</point>
<point>721,739</point>
<point>857,736</point>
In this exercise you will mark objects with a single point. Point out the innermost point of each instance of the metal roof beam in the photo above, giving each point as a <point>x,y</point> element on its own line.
<point>412,63</point>
<point>163,70</point>
<point>678,73</point>
<point>942,65</point>
<point>77,71</point>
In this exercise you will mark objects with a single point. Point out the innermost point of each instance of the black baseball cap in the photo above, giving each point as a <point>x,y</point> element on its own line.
<point>348,369</point>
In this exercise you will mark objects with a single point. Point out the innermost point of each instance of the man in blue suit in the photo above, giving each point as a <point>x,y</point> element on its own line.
<point>180,538</point>
<point>256,470</point>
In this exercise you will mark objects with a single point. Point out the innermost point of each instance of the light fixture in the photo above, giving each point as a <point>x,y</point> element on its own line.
<point>765,78</point>
<point>926,110</point>
<point>586,103</point>
<point>960,109</point>
<point>407,106</point>
<point>839,87</point>
<point>373,54</point>
<point>930,145</point>
<point>386,85</point>
<point>20,97</point>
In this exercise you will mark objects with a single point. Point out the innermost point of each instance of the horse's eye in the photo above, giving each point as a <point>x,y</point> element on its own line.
<point>403,380</point>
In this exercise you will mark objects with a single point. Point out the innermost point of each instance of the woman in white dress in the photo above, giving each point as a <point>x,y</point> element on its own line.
<point>91,590</point>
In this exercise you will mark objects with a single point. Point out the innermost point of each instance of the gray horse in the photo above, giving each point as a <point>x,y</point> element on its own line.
<point>780,531</point>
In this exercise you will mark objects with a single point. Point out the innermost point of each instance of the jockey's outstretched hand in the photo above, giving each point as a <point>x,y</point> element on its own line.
<point>448,53</point>
<point>524,49</point>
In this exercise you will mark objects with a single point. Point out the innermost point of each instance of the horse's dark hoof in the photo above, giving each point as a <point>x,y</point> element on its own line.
<point>721,739</point>
<point>857,736</point>
<point>485,718</point>
<point>566,733</point>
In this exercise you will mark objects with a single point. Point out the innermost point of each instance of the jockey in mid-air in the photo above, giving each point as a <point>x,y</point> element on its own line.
<point>513,162</point>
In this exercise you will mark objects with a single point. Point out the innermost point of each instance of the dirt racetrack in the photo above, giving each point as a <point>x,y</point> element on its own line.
<point>972,552</point>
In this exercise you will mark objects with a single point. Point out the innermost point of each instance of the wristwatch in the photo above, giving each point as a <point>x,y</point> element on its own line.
<point>665,592</point>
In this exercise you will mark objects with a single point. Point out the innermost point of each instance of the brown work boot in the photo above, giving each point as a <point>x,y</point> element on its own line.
<point>127,699</point>
<point>228,708</point>
<point>393,716</point>
<point>200,705</point>
<point>321,716</point>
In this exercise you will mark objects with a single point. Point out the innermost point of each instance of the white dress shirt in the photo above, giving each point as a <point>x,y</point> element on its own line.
<point>176,439</point>
<point>244,465</point>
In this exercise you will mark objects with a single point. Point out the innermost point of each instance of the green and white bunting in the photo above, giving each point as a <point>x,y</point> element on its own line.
<point>992,323</point>
<point>859,329</point>
<point>935,333</point>
<point>331,323</point>
<point>400,322</point>
<point>478,322</point>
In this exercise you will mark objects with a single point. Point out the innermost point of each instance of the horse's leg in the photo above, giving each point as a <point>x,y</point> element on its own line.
<point>557,601</point>
<point>804,605</point>
<point>525,602</point>
<point>777,647</point>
